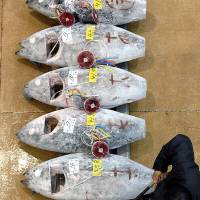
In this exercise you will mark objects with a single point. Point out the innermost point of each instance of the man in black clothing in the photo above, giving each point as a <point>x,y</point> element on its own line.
<point>183,182</point>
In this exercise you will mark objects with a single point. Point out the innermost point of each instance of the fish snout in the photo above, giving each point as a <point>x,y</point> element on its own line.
<point>25,182</point>
<point>26,92</point>
<point>21,135</point>
<point>18,135</point>
<point>26,173</point>
<point>29,2</point>
<point>21,52</point>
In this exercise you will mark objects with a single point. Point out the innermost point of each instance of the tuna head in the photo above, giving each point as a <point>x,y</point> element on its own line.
<point>39,130</point>
<point>41,47</point>
<point>47,88</point>
<point>38,180</point>
<point>45,7</point>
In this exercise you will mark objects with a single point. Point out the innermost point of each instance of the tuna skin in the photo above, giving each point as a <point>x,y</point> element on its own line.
<point>60,46</point>
<point>121,179</point>
<point>123,129</point>
<point>114,12</point>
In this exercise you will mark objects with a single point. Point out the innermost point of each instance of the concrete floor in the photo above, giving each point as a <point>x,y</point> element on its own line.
<point>171,67</point>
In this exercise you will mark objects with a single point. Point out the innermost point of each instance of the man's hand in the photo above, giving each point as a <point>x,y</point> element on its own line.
<point>159,176</point>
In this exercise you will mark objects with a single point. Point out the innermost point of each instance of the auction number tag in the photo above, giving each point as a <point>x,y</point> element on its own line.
<point>73,166</point>
<point>72,78</point>
<point>98,5</point>
<point>91,119</point>
<point>69,125</point>
<point>90,32</point>
<point>97,167</point>
<point>67,35</point>
<point>93,75</point>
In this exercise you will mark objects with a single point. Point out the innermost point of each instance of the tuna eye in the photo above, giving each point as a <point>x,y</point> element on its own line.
<point>56,88</point>
<point>57,182</point>
<point>50,124</point>
<point>52,45</point>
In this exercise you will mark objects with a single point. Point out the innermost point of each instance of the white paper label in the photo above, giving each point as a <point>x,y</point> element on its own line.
<point>32,40</point>
<point>37,82</point>
<point>72,78</point>
<point>67,35</point>
<point>69,125</point>
<point>38,173</point>
<point>73,166</point>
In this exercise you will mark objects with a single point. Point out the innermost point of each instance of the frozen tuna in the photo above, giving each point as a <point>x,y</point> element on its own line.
<point>79,176</point>
<point>66,131</point>
<point>93,11</point>
<point>87,89</point>
<point>82,45</point>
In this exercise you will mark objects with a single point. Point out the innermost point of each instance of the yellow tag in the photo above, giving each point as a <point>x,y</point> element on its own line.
<point>97,168</point>
<point>91,119</point>
<point>90,32</point>
<point>93,75</point>
<point>98,4</point>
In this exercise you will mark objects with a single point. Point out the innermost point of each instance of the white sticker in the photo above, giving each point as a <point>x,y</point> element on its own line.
<point>67,35</point>
<point>69,125</point>
<point>38,173</point>
<point>31,131</point>
<point>37,82</point>
<point>73,166</point>
<point>73,78</point>
<point>32,40</point>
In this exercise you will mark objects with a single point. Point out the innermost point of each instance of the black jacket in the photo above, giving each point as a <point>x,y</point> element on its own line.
<point>185,172</point>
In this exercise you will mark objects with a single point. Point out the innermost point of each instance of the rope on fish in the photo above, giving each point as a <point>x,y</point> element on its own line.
<point>106,61</point>
<point>96,134</point>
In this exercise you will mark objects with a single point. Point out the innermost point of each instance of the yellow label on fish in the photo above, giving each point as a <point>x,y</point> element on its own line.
<point>91,119</point>
<point>93,75</point>
<point>98,4</point>
<point>90,32</point>
<point>97,167</point>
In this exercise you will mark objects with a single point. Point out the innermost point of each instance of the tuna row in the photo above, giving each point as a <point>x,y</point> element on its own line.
<point>86,87</point>
<point>85,124</point>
